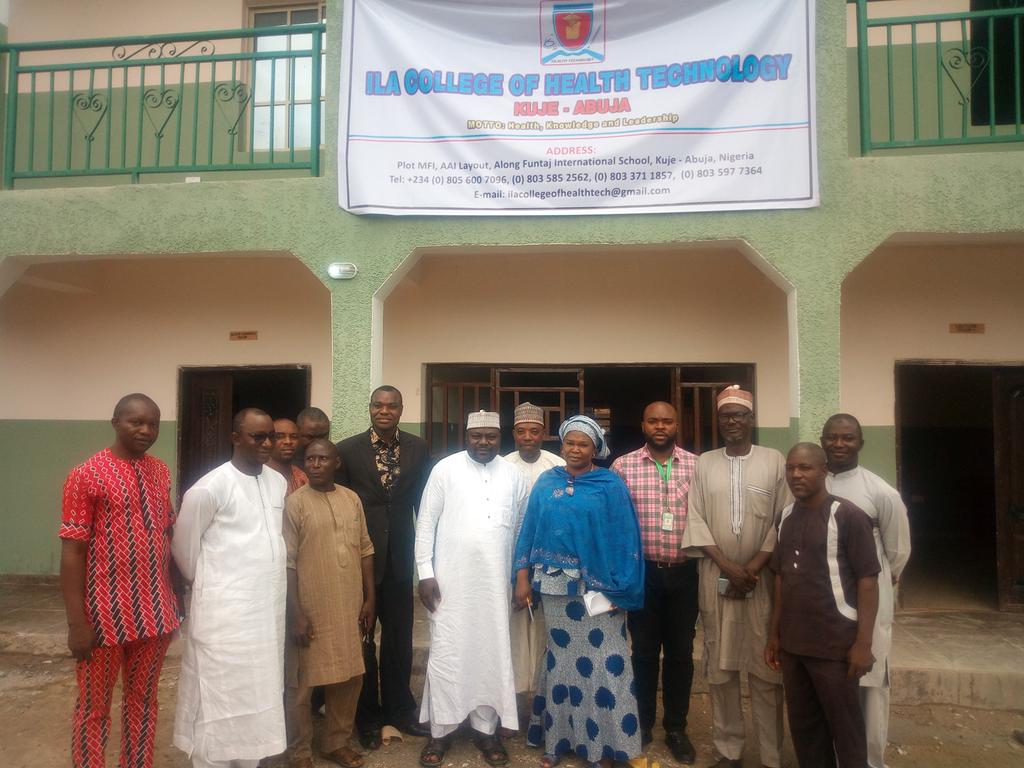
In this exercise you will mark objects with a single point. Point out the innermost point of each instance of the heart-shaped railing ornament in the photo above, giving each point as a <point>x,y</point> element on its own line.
<point>232,92</point>
<point>90,109</point>
<point>956,59</point>
<point>160,106</point>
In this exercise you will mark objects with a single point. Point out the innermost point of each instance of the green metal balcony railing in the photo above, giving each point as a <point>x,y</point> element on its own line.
<point>231,100</point>
<point>941,79</point>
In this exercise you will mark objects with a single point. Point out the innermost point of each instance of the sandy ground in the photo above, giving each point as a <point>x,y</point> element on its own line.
<point>37,695</point>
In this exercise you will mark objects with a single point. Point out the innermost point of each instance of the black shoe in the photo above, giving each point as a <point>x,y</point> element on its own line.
<point>370,739</point>
<point>725,762</point>
<point>412,728</point>
<point>646,737</point>
<point>681,747</point>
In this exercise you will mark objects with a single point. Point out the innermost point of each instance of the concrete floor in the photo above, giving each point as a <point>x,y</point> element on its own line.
<point>966,658</point>
<point>943,665</point>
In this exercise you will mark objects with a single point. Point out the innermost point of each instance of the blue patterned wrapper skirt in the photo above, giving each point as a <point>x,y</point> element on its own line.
<point>586,697</point>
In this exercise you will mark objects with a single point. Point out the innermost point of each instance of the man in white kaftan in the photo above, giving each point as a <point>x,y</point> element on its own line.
<point>528,630</point>
<point>227,542</point>
<point>842,438</point>
<point>735,503</point>
<point>471,511</point>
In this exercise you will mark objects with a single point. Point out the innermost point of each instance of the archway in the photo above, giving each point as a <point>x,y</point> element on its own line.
<point>627,319</point>
<point>75,335</point>
<point>930,325</point>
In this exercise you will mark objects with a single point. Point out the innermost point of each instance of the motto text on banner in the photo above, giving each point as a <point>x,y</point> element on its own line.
<point>532,107</point>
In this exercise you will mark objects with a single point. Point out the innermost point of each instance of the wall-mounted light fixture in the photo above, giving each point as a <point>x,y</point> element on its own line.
<point>342,270</point>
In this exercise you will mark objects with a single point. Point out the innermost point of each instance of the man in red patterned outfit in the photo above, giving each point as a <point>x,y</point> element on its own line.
<point>115,576</point>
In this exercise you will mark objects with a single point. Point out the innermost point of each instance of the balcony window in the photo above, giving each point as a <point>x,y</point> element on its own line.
<point>282,89</point>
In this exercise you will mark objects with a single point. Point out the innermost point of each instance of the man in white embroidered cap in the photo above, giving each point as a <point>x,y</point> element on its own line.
<point>735,503</point>
<point>529,633</point>
<point>471,510</point>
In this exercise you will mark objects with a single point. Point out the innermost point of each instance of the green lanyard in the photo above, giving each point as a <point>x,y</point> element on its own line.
<point>664,471</point>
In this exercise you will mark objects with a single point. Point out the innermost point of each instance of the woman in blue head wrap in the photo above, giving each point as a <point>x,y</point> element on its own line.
<point>579,547</point>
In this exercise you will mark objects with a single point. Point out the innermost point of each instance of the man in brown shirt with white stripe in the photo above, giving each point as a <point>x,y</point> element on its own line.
<point>826,598</point>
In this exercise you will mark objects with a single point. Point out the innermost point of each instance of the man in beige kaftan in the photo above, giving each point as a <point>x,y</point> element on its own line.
<point>735,503</point>
<point>330,602</point>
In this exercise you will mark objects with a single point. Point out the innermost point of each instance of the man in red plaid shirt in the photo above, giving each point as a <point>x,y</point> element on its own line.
<point>658,477</point>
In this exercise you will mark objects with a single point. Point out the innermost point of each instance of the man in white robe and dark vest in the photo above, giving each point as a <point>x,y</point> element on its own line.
<point>469,517</point>
<point>842,438</point>
<point>228,544</point>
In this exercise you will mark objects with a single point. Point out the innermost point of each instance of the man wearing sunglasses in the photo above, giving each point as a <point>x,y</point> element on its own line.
<point>228,544</point>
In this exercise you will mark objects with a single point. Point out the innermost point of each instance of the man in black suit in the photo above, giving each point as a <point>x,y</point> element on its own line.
<point>387,469</point>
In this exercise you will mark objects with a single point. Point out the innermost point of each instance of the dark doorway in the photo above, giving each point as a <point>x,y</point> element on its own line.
<point>948,470</point>
<point>617,397</point>
<point>614,394</point>
<point>209,397</point>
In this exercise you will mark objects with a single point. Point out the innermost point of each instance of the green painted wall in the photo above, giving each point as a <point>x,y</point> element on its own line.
<point>779,438</point>
<point>864,201</point>
<point>3,93</point>
<point>35,457</point>
<point>879,454</point>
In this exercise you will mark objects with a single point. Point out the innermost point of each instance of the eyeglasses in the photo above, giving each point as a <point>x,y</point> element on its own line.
<point>727,417</point>
<point>262,437</point>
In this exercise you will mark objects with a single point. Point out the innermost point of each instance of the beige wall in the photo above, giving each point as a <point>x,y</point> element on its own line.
<point>34,20</point>
<point>898,305</point>
<point>39,20</point>
<point>76,336</point>
<point>496,307</point>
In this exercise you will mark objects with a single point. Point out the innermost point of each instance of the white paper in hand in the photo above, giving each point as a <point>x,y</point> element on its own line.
<point>597,603</point>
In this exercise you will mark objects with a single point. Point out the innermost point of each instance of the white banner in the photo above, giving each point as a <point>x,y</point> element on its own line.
<point>529,107</point>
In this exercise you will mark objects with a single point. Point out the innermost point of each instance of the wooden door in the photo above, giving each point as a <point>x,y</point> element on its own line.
<point>450,403</point>
<point>1009,468</point>
<point>559,392</point>
<point>205,441</point>
<point>695,388</point>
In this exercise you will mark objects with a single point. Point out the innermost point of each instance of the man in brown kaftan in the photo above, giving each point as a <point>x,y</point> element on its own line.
<point>330,606</point>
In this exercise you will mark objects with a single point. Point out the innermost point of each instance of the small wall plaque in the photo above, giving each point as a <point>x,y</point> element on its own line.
<point>243,335</point>
<point>966,327</point>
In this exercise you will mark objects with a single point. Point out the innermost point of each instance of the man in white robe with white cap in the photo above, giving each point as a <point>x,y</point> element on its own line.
<point>472,507</point>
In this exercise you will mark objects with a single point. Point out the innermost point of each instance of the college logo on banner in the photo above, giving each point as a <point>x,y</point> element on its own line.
<point>570,33</point>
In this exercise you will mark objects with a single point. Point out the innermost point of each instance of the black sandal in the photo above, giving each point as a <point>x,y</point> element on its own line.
<point>492,750</point>
<point>370,739</point>
<point>434,751</point>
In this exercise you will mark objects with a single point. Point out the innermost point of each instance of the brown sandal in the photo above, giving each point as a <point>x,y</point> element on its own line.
<point>345,757</point>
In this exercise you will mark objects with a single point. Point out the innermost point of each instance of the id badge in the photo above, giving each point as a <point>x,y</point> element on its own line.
<point>667,519</point>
